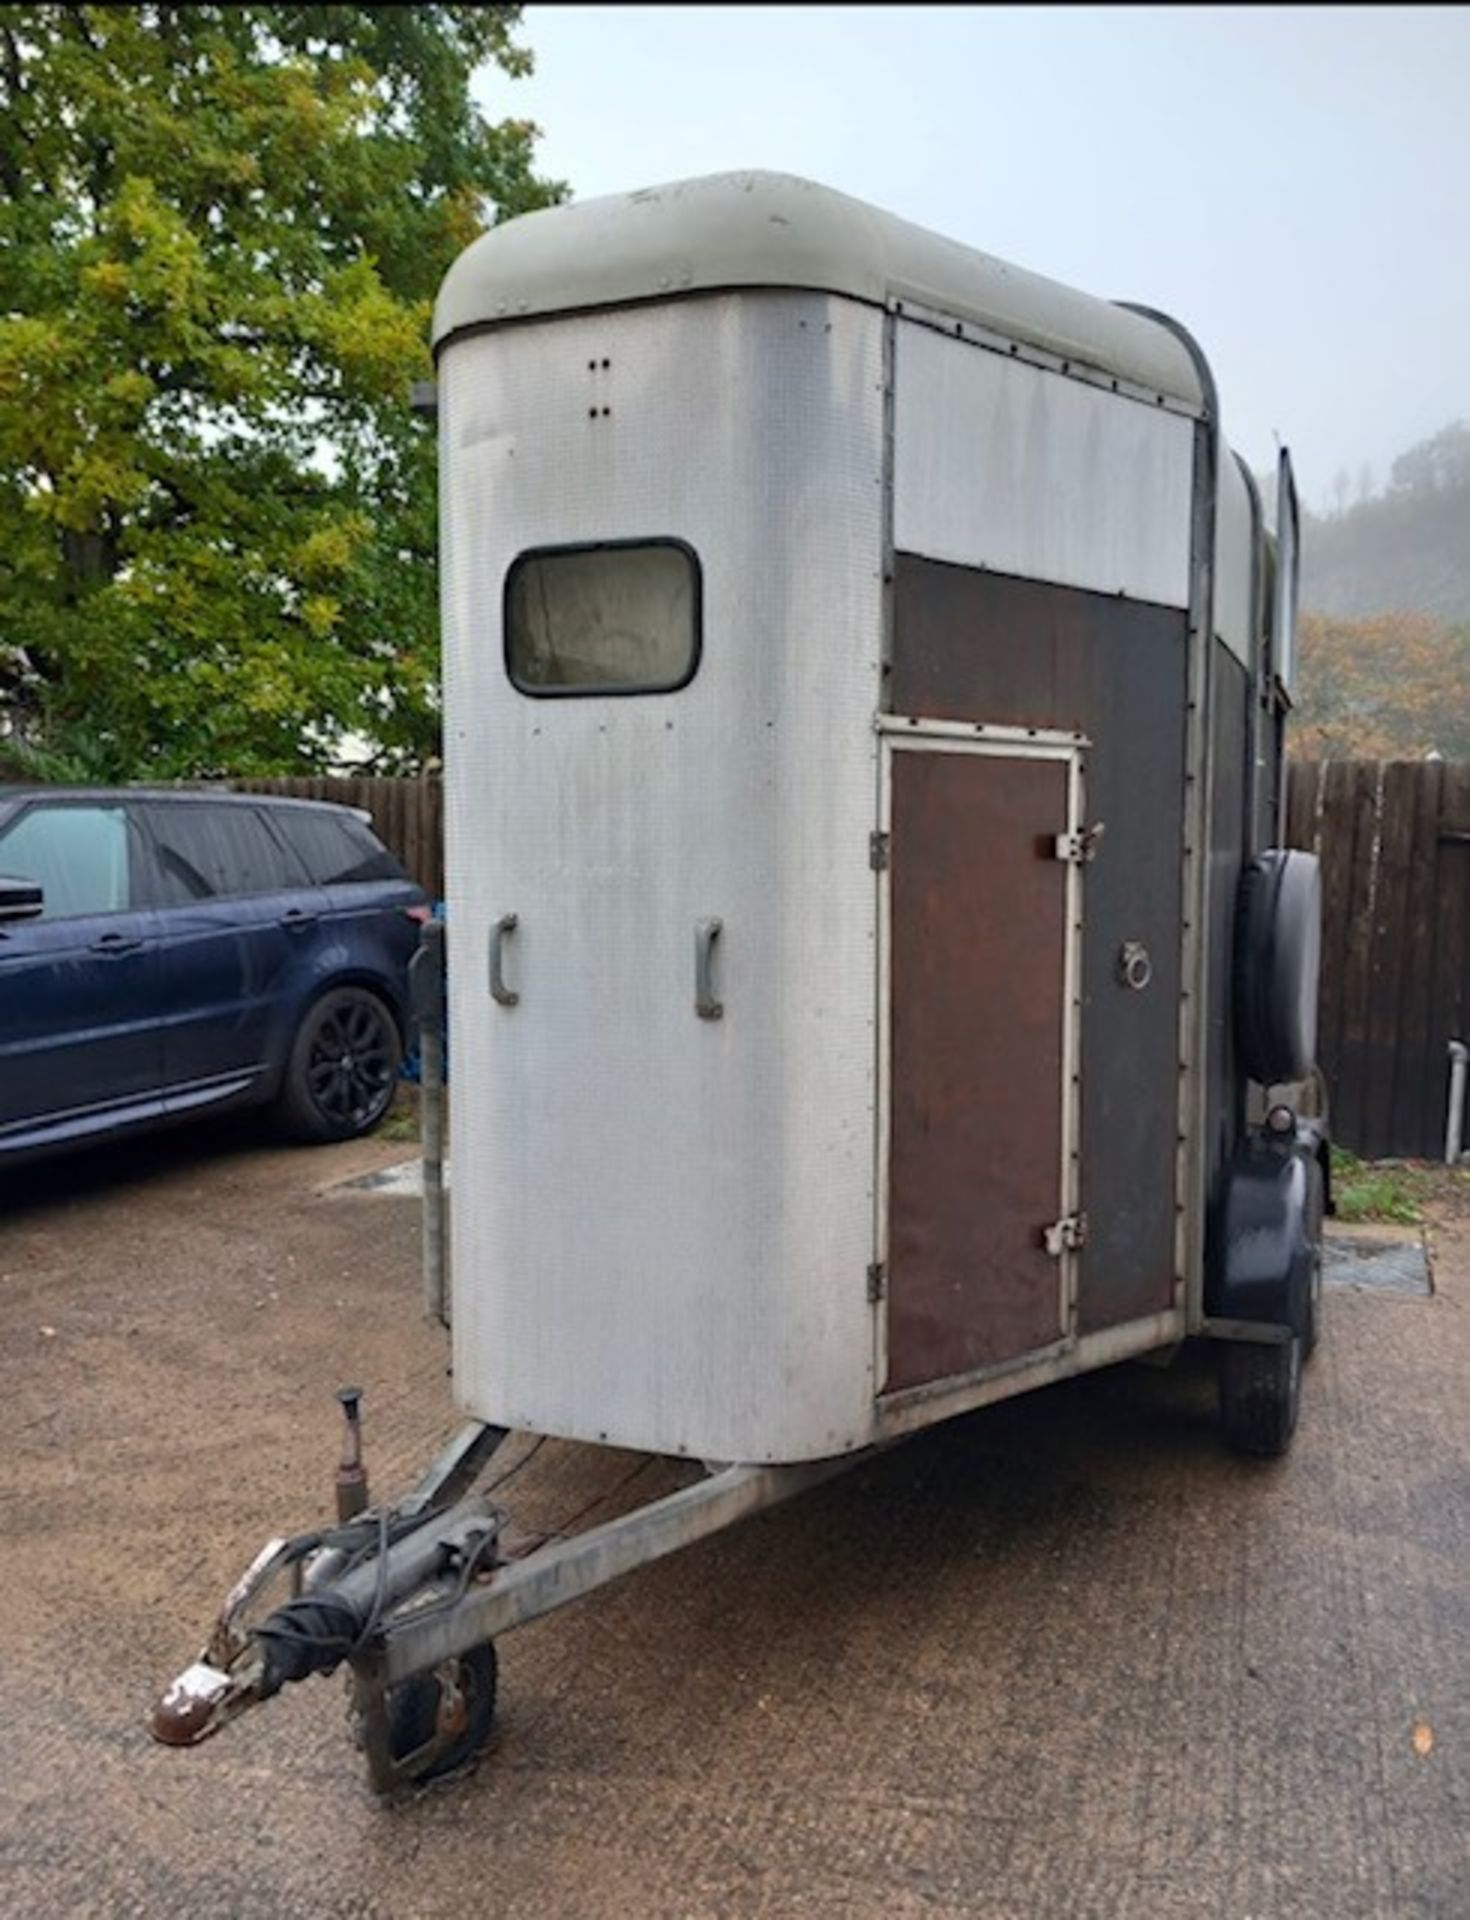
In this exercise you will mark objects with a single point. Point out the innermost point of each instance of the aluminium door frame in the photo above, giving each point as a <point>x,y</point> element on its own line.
<point>912,1408</point>
<point>899,734</point>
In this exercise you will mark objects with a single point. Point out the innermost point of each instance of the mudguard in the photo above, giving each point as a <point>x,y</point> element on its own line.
<point>1259,1264</point>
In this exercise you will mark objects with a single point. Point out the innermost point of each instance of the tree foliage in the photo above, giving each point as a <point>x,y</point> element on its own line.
<point>221,228</point>
<point>1405,548</point>
<point>1385,650</point>
<point>1392,687</point>
<point>1435,465</point>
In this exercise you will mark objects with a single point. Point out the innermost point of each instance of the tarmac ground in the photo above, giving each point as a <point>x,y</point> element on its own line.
<point>1064,1657</point>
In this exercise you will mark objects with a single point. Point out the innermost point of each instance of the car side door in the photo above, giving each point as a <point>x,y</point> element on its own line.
<point>376,910</point>
<point>240,924</point>
<point>80,1044</point>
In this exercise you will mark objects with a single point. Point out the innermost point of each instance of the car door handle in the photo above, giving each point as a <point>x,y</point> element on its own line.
<point>109,943</point>
<point>295,919</point>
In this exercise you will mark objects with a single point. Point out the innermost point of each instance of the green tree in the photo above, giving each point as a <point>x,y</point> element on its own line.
<point>1393,686</point>
<point>221,229</point>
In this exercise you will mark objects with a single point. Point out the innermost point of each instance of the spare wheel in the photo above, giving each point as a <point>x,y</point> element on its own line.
<point>1278,954</point>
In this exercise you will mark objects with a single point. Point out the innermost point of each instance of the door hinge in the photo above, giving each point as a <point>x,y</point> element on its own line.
<point>877,1282</point>
<point>1065,1235</point>
<point>878,852</point>
<point>1078,848</point>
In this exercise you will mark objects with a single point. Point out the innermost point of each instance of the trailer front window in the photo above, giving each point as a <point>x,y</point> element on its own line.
<point>613,618</point>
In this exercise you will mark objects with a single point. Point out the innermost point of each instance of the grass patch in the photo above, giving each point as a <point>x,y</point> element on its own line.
<point>1377,1189</point>
<point>401,1121</point>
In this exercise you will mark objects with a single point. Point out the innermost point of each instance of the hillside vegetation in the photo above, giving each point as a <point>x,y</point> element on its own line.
<point>1385,644</point>
<point>1404,550</point>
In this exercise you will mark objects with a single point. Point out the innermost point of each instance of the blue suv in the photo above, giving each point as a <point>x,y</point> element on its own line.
<point>168,954</point>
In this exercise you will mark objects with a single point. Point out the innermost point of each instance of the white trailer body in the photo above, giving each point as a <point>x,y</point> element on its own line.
<point>734,411</point>
<point>865,674</point>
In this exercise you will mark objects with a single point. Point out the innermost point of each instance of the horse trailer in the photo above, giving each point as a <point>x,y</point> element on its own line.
<point>876,983</point>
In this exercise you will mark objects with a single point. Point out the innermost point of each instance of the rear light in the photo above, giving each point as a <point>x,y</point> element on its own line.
<point>419,914</point>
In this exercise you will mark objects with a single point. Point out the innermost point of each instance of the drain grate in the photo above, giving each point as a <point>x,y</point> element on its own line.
<point>1376,1262</point>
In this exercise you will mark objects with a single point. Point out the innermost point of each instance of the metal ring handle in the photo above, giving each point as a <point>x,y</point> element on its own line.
<point>499,991</point>
<point>1135,967</point>
<point>706,933</point>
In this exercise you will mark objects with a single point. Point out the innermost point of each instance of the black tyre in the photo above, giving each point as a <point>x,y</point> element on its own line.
<point>413,1714</point>
<point>1278,951</point>
<point>1260,1395</point>
<point>343,1069</point>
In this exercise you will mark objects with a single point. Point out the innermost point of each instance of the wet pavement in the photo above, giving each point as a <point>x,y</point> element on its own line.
<point>1064,1657</point>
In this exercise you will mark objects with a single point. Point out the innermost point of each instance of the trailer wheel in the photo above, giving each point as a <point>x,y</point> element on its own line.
<point>1260,1395</point>
<point>1278,952</point>
<point>413,1715</point>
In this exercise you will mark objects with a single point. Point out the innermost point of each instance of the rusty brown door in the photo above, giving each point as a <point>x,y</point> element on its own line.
<point>979,983</point>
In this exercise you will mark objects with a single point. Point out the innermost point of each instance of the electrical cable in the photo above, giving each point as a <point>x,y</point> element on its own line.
<point>563,1531</point>
<point>315,1631</point>
<point>524,1461</point>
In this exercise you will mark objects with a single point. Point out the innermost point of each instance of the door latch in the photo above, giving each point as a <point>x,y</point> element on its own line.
<point>1078,848</point>
<point>1065,1235</point>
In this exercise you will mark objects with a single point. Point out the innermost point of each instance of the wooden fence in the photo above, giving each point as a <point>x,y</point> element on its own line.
<point>1394,841</point>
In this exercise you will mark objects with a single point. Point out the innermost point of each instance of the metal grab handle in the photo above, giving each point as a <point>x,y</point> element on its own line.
<point>507,923</point>
<point>706,932</point>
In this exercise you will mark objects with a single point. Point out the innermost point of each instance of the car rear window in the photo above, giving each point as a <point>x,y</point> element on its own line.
<point>208,852</point>
<point>335,848</point>
<point>77,855</point>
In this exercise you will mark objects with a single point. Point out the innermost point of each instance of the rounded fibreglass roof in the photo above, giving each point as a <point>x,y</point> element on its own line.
<point>774,230</point>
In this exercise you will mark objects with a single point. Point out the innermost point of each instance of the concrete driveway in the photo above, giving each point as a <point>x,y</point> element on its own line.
<point>1062,1658</point>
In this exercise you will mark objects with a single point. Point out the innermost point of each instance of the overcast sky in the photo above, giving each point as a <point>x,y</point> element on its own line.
<point>1292,183</point>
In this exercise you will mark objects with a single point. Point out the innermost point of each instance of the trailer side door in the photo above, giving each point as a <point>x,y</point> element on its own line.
<point>981,1053</point>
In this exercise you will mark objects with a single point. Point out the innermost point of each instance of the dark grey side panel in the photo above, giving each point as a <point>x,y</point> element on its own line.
<point>970,645</point>
<point>1225,1091</point>
<point>1270,825</point>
